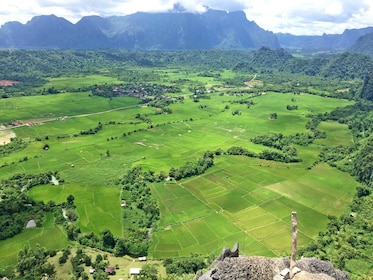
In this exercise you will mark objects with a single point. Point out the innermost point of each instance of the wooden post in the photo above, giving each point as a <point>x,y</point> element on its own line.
<point>294,241</point>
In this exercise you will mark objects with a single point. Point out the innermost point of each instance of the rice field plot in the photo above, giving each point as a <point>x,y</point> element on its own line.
<point>73,82</point>
<point>260,214</point>
<point>309,220</point>
<point>165,244</point>
<point>48,235</point>
<point>336,134</point>
<point>59,105</point>
<point>225,201</point>
<point>234,200</point>
<point>98,208</point>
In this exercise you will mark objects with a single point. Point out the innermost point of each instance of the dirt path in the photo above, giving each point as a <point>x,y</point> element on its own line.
<point>41,121</point>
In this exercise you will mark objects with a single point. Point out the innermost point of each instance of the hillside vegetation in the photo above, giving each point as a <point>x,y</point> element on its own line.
<point>175,155</point>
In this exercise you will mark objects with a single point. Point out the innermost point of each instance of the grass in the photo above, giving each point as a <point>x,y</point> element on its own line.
<point>30,108</point>
<point>337,134</point>
<point>74,82</point>
<point>48,235</point>
<point>239,199</point>
<point>260,213</point>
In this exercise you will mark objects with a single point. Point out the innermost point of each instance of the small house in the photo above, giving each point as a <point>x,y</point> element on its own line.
<point>110,270</point>
<point>135,271</point>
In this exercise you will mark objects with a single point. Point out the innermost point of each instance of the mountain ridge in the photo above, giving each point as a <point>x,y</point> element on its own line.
<point>342,41</point>
<point>145,31</point>
<point>213,29</point>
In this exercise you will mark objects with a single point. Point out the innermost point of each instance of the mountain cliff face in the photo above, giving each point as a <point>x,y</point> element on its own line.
<point>340,42</point>
<point>145,31</point>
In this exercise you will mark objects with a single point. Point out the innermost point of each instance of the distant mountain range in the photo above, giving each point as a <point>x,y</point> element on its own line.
<point>324,42</point>
<point>164,31</point>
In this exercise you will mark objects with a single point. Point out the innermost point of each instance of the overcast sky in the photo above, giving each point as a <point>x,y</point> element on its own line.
<point>299,17</point>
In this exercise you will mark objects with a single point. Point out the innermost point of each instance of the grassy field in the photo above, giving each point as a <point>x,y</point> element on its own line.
<point>239,199</point>
<point>62,83</point>
<point>49,235</point>
<point>246,202</point>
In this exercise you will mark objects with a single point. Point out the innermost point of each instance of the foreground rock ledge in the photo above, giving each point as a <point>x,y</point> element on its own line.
<point>229,265</point>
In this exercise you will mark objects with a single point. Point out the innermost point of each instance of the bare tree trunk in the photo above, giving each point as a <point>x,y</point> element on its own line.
<point>294,242</point>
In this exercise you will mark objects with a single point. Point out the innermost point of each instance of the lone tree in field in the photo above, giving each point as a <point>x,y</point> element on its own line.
<point>70,200</point>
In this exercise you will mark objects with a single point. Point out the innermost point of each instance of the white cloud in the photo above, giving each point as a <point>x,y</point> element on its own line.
<point>296,17</point>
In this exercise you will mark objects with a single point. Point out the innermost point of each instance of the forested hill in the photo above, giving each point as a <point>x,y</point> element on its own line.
<point>341,66</point>
<point>144,31</point>
<point>364,44</point>
<point>43,64</point>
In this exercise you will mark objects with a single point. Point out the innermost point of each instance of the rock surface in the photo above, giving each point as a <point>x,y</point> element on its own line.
<point>230,266</point>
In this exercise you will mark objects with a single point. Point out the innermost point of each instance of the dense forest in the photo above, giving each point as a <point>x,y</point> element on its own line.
<point>347,241</point>
<point>43,64</point>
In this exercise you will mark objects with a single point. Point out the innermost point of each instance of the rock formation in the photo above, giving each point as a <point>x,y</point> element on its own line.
<point>229,265</point>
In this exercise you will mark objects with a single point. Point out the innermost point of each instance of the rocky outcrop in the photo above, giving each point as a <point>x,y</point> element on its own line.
<point>229,265</point>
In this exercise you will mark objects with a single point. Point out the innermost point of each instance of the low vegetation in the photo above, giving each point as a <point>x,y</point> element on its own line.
<point>175,155</point>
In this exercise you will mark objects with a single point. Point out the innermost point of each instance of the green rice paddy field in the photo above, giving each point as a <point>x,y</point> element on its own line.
<point>249,201</point>
<point>239,199</point>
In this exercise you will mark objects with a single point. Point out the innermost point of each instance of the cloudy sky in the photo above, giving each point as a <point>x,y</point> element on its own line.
<point>300,17</point>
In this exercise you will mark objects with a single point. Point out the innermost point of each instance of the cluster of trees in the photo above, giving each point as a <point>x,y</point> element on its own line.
<point>31,68</point>
<point>363,163</point>
<point>338,156</point>
<point>354,158</point>
<point>283,142</point>
<point>299,83</point>
<point>81,258</point>
<point>15,144</point>
<point>189,265</point>
<point>348,239</point>
<point>344,66</point>
<point>276,155</point>
<point>162,104</point>
<point>32,263</point>
<point>92,130</point>
<point>16,208</point>
<point>247,101</point>
<point>193,168</point>
<point>367,91</point>
<point>237,81</point>
<point>292,107</point>
<point>15,211</point>
<point>140,213</point>
<point>119,246</point>
<point>358,117</point>
<point>143,91</point>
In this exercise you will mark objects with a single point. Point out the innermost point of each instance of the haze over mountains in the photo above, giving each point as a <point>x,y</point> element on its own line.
<point>166,31</point>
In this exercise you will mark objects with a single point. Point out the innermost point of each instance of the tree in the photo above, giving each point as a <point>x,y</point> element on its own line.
<point>120,248</point>
<point>33,262</point>
<point>148,272</point>
<point>70,200</point>
<point>108,240</point>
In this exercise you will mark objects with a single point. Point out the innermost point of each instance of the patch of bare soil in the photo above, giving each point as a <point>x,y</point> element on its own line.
<point>7,83</point>
<point>6,135</point>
